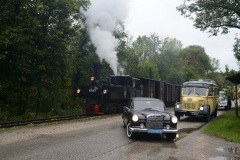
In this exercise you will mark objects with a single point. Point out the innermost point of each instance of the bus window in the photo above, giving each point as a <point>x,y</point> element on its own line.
<point>210,93</point>
<point>188,91</point>
<point>200,91</point>
<point>216,92</point>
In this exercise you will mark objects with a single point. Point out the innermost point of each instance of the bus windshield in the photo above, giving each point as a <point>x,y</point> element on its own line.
<point>194,91</point>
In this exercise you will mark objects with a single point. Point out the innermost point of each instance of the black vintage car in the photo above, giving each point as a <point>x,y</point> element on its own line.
<point>148,115</point>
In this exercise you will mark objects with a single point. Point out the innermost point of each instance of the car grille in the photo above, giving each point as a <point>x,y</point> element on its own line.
<point>155,122</point>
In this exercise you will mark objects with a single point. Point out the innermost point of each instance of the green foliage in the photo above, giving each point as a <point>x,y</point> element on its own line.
<point>226,126</point>
<point>213,15</point>
<point>34,58</point>
<point>229,86</point>
<point>236,48</point>
<point>197,61</point>
<point>169,61</point>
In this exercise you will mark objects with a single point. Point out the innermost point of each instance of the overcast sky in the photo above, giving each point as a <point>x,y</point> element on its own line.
<point>161,17</point>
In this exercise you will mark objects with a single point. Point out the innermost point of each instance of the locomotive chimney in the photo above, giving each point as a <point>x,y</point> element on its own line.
<point>97,70</point>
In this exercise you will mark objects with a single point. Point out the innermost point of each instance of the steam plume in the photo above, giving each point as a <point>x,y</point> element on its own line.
<point>102,17</point>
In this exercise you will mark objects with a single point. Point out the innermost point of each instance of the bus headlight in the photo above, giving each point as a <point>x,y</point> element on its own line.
<point>105,91</point>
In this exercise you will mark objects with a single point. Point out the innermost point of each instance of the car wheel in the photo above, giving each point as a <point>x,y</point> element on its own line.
<point>226,108</point>
<point>206,117</point>
<point>130,134</point>
<point>171,136</point>
<point>124,125</point>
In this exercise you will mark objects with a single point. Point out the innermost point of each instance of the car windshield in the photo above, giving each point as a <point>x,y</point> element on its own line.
<point>148,104</point>
<point>194,91</point>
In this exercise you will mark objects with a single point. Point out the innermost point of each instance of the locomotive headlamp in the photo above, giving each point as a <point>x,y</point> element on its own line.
<point>178,106</point>
<point>92,78</point>
<point>135,118</point>
<point>174,119</point>
<point>201,108</point>
<point>105,91</point>
<point>78,91</point>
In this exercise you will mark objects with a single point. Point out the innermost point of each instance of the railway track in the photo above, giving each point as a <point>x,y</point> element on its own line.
<point>39,121</point>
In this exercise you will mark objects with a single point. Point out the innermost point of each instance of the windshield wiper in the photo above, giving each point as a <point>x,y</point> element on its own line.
<point>189,92</point>
<point>198,93</point>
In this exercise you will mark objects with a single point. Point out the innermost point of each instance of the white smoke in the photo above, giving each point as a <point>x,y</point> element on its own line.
<point>102,17</point>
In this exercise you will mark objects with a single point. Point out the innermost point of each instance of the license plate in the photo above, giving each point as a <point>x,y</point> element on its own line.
<point>194,113</point>
<point>157,131</point>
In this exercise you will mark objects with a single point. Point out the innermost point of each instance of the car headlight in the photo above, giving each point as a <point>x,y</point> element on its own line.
<point>174,119</point>
<point>135,118</point>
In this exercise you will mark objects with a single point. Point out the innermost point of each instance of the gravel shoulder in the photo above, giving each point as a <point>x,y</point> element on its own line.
<point>22,134</point>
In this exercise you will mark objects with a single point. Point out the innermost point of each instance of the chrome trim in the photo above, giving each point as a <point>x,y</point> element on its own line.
<point>155,115</point>
<point>146,130</point>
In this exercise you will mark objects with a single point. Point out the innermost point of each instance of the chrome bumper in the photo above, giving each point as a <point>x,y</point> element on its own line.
<point>146,130</point>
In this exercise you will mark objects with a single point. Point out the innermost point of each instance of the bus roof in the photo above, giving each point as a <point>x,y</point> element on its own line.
<point>199,83</point>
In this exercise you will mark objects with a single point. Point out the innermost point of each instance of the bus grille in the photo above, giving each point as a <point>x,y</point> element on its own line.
<point>189,106</point>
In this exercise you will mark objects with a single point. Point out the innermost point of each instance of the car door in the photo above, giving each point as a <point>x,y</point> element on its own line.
<point>126,112</point>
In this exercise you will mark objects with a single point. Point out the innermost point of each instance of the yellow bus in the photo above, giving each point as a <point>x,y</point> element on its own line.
<point>198,97</point>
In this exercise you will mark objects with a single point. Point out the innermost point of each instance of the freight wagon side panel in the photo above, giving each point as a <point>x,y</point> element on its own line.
<point>162,89</point>
<point>173,93</point>
<point>157,89</point>
<point>152,89</point>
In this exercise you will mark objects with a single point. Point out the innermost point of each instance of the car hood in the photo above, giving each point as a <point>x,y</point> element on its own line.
<point>147,112</point>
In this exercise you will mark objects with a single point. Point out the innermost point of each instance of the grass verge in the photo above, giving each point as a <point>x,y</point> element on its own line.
<point>226,126</point>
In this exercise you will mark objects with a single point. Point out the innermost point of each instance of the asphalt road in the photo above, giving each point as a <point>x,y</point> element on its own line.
<point>100,139</point>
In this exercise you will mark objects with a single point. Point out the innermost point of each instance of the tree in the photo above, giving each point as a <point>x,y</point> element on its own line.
<point>231,89</point>
<point>140,57</point>
<point>168,61</point>
<point>212,15</point>
<point>196,60</point>
<point>34,57</point>
<point>236,49</point>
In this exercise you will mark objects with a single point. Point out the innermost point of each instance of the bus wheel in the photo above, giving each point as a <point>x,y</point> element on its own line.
<point>215,112</point>
<point>206,117</point>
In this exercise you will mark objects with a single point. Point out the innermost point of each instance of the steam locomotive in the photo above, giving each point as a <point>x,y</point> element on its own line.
<point>108,95</point>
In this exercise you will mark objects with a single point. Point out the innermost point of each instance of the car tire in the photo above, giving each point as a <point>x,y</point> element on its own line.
<point>226,108</point>
<point>124,125</point>
<point>171,136</point>
<point>130,134</point>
